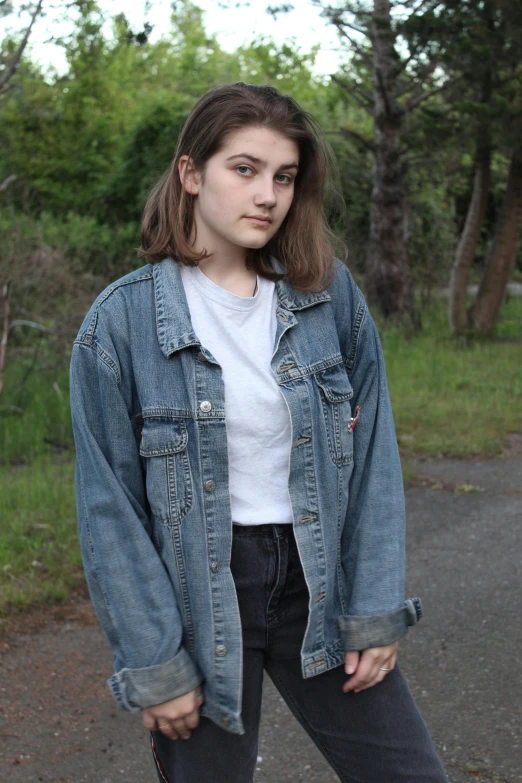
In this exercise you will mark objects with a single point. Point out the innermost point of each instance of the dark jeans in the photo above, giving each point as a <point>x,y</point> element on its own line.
<point>374,736</point>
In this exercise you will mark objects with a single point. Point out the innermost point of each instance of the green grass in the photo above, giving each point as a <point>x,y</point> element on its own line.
<point>449,397</point>
<point>39,552</point>
<point>452,397</point>
<point>35,418</point>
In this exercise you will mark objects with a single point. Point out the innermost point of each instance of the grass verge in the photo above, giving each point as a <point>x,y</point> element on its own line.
<point>39,551</point>
<point>456,398</point>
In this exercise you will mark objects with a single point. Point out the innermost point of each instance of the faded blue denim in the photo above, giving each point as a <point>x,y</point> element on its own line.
<point>148,411</point>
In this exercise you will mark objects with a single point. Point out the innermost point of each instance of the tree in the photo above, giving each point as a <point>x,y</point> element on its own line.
<point>481,41</point>
<point>11,52</point>
<point>502,252</point>
<point>388,77</point>
<point>10,56</point>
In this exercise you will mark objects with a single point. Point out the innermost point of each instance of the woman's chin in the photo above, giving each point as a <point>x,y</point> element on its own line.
<point>256,244</point>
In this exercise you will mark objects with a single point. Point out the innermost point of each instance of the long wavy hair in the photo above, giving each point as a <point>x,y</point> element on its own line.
<point>304,242</point>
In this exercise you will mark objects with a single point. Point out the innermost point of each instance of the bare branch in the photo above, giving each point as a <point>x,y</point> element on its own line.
<point>363,54</point>
<point>7,181</point>
<point>5,333</point>
<point>402,67</point>
<point>340,24</point>
<point>11,68</point>
<point>33,325</point>
<point>366,97</point>
<point>416,82</point>
<point>414,101</point>
<point>363,98</point>
<point>353,134</point>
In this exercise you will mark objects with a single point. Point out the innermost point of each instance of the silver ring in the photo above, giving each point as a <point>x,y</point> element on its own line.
<point>383,669</point>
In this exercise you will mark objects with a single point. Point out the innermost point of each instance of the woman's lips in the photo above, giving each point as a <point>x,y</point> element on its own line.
<point>258,221</point>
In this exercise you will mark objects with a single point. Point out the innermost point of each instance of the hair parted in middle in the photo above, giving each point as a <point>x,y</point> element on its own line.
<point>304,242</point>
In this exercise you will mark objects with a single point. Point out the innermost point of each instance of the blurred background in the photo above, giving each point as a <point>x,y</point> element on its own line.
<point>422,104</point>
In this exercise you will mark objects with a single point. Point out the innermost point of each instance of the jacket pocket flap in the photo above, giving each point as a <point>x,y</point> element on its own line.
<point>163,436</point>
<point>334,383</point>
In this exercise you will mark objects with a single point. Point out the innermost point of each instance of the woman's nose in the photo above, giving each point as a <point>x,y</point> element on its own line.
<point>266,193</point>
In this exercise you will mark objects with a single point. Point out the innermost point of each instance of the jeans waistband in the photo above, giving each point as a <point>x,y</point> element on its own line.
<point>268,529</point>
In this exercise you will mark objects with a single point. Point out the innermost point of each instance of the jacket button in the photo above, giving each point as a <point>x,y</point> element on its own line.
<point>210,485</point>
<point>206,406</point>
<point>221,650</point>
<point>214,567</point>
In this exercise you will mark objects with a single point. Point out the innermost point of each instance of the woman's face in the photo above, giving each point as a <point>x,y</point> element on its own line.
<point>244,192</point>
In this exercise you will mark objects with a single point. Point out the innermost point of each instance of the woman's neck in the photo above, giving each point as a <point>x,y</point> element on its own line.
<point>234,277</point>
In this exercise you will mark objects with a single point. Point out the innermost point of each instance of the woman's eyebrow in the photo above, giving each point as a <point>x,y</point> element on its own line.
<point>292,165</point>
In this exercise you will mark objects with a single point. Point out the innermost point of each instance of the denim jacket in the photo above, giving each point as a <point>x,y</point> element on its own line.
<point>153,501</point>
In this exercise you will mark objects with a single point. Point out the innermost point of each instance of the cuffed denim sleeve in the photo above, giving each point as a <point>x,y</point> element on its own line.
<point>360,632</point>
<point>373,537</point>
<point>129,586</point>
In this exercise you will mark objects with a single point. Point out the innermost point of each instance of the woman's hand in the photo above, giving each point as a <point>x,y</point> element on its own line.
<point>175,718</point>
<point>365,666</point>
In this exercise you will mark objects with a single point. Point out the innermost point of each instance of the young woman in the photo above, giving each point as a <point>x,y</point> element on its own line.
<point>239,488</point>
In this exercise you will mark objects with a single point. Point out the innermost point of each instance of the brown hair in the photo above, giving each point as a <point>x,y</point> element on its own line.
<point>304,243</point>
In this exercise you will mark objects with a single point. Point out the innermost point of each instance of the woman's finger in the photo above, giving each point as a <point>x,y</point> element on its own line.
<point>378,673</point>
<point>168,730</point>
<point>181,728</point>
<point>369,673</point>
<point>363,675</point>
<point>351,661</point>
<point>192,720</point>
<point>379,677</point>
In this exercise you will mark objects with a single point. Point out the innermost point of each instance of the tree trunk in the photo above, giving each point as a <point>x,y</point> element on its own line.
<point>388,278</point>
<point>460,271</point>
<point>502,253</point>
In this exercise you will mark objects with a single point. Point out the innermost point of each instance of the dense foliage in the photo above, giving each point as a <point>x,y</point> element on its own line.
<point>86,146</point>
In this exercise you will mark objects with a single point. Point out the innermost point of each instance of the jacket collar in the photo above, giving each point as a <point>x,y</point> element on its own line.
<point>173,322</point>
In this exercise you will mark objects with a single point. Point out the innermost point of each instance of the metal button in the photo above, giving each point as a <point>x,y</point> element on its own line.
<point>214,567</point>
<point>221,650</point>
<point>210,485</point>
<point>206,406</point>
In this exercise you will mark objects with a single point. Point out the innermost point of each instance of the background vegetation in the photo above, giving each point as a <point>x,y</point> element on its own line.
<point>79,152</point>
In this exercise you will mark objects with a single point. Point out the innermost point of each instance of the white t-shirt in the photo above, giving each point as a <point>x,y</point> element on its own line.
<point>240,332</point>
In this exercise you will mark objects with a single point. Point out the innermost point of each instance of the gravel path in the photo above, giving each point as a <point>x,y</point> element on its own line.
<point>59,724</point>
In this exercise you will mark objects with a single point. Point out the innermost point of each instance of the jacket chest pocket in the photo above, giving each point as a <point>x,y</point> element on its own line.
<point>335,393</point>
<point>168,480</point>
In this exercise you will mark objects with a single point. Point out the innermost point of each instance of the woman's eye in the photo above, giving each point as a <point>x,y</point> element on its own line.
<point>243,169</point>
<point>285,179</point>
